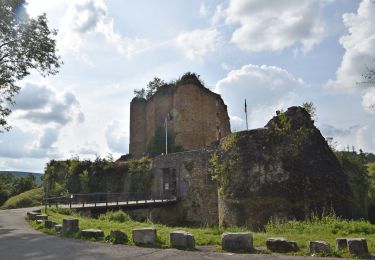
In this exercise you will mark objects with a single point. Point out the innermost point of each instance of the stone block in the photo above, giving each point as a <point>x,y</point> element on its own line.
<point>58,227</point>
<point>182,240</point>
<point>38,211</point>
<point>40,222</point>
<point>341,244</point>
<point>320,247</point>
<point>357,246</point>
<point>118,237</point>
<point>281,245</point>
<point>240,241</point>
<point>70,225</point>
<point>144,236</point>
<point>49,224</point>
<point>41,217</point>
<point>92,233</point>
<point>32,215</point>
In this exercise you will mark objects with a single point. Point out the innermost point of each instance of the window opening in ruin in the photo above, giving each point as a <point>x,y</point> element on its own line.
<point>169,180</point>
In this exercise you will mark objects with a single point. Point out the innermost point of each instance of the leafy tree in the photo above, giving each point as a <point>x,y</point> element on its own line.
<point>23,184</point>
<point>25,44</point>
<point>153,86</point>
<point>311,109</point>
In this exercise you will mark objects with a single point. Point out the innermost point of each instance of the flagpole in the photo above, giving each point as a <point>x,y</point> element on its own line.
<point>166,135</point>
<point>247,125</point>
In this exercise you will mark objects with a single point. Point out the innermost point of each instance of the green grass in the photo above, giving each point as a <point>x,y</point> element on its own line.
<point>326,228</point>
<point>28,198</point>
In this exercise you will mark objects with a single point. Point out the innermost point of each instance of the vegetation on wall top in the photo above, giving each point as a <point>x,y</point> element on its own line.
<point>158,85</point>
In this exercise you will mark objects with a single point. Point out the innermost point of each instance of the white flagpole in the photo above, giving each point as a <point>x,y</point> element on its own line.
<point>166,135</point>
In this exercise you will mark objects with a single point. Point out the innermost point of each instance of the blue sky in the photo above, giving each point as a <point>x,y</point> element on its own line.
<point>275,53</point>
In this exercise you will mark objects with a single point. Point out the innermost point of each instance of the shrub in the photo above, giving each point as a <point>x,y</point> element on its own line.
<point>118,216</point>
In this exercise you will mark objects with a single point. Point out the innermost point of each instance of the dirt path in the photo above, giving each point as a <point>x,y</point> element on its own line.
<point>19,241</point>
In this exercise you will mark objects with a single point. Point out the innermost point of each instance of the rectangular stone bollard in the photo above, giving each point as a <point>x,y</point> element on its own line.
<point>240,241</point>
<point>341,244</point>
<point>41,217</point>
<point>320,247</point>
<point>144,236</point>
<point>32,215</point>
<point>70,225</point>
<point>357,246</point>
<point>40,222</point>
<point>92,233</point>
<point>49,224</point>
<point>182,240</point>
<point>281,245</point>
<point>58,227</point>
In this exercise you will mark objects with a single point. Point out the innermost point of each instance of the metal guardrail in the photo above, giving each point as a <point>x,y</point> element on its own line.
<point>107,198</point>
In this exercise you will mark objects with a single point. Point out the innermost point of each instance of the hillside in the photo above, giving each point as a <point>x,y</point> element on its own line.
<point>21,174</point>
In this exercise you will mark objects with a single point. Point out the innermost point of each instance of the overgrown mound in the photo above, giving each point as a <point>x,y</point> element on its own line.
<point>28,198</point>
<point>285,170</point>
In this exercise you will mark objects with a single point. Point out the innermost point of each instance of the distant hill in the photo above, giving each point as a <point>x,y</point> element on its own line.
<point>21,174</point>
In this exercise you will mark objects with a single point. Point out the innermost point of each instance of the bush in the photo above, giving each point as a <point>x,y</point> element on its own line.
<point>29,198</point>
<point>118,216</point>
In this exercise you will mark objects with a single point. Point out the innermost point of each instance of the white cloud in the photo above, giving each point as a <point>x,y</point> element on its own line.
<point>368,101</point>
<point>23,143</point>
<point>116,137</point>
<point>203,10</point>
<point>199,43</point>
<point>88,148</point>
<point>275,25</point>
<point>359,45</point>
<point>86,19</point>
<point>42,104</point>
<point>266,88</point>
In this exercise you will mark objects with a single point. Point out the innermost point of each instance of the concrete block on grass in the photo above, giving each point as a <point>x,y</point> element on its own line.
<point>182,240</point>
<point>41,217</point>
<point>58,228</point>
<point>70,225</point>
<point>281,245</point>
<point>49,224</point>
<point>239,241</point>
<point>319,247</point>
<point>144,236</point>
<point>92,233</point>
<point>357,246</point>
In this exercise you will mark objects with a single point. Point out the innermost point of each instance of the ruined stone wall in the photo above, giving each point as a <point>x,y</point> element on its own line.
<point>197,118</point>
<point>137,144</point>
<point>196,191</point>
<point>285,170</point>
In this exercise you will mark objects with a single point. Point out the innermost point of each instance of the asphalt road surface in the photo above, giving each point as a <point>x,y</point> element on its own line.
<point>19,241</point>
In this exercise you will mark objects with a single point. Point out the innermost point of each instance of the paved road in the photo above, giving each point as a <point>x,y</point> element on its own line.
<point>19,241</point>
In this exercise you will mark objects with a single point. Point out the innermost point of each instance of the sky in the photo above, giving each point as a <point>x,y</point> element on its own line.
<point>275,53</point>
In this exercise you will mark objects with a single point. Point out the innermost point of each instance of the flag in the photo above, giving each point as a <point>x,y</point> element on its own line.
<point>245,106</point>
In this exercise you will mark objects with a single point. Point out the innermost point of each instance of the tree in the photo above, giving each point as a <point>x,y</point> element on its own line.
<point>311,109</point>
<point>25,44</point>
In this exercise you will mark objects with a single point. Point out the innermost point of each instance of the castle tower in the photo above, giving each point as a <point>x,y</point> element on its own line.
<point>196,118</point>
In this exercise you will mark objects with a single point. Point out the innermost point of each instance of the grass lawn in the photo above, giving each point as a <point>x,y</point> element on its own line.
<point>326,228</point>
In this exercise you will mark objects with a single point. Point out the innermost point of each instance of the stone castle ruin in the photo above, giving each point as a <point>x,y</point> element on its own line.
<point>284,170</point>
<point>195,116</point>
